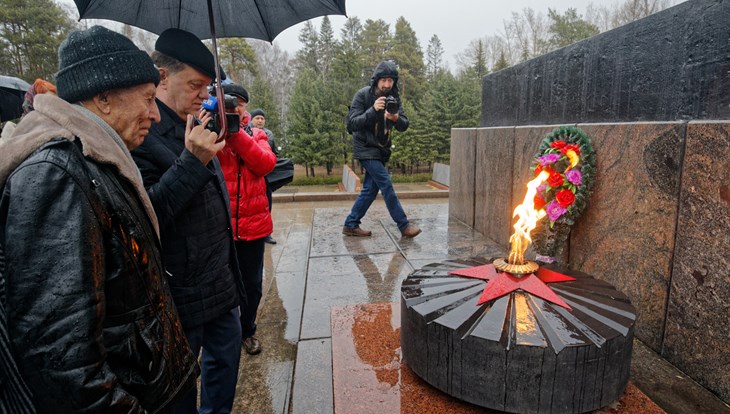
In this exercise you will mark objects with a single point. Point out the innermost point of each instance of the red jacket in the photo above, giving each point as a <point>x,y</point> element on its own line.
<point>245,161</point>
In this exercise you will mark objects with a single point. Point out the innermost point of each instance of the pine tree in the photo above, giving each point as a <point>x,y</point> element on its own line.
<point>407,53</point>
<point>326,47</point>
<point>30,33</point>
<point>376,41</point>
<point>434,57</point>
<point>307,57</point>
<point>238,59</point>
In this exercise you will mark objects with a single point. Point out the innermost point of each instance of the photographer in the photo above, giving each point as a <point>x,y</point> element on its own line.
<point>186,186</point>
<point>375,111</point>
<point>245,160</point>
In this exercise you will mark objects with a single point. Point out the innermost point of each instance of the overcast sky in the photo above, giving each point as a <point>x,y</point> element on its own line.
<point>455,22</point>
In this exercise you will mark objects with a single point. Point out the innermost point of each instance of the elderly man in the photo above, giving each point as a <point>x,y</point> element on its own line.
<point>86,308</point>
<point>185,183</point>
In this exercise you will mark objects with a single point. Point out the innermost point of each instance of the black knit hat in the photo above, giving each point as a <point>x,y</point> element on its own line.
<point>237,90</point>
<point>187,48</point>
<point>256,112</point>
<point>97,60</point>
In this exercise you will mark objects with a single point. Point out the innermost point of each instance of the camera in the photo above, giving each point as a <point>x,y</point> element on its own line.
<point>232,120</point>
<point>391,104</point>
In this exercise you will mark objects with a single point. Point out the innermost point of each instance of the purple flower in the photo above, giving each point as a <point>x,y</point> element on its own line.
<point>548,159</point>
<point>554,210</point>
<point>541,189</point>
<point>574,176</point>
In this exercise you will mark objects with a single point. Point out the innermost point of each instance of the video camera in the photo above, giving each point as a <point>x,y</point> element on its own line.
<point>232,120</point>
<point>391,104</point>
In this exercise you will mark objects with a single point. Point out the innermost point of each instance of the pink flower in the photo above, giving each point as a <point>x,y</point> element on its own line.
<point>548,159</point>
<point>574,177</point>
<point>554,210</point>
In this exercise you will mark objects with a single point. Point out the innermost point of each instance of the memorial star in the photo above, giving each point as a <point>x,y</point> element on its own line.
<point>503,283</point>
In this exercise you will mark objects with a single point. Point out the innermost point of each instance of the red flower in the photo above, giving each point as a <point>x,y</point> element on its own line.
<point>558,144</point>
<point>538,169</point>
<point>570,147</point>
<point>565,198</point>
<point>555,180</point>
<point>538,201</point>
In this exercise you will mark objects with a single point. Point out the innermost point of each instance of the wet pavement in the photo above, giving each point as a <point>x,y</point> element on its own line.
<point>314,269</point>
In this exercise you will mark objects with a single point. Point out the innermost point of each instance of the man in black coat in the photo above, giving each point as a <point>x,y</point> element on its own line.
<point>375,111</point>
<point>186,185</point>
<point>87,323</point>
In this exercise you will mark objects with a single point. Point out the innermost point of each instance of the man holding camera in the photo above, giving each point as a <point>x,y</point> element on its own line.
<point>186,186</point>
<point>375,111</point>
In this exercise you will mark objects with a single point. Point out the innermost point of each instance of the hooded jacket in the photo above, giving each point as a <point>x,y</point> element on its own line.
<point>245,160</point>
<point>89,315</point>
<point>369,128</point>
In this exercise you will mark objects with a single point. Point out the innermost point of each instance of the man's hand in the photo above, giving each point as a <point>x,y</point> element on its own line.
<point>392,117</point>
<point>379,104</point>
<point>201,142</point>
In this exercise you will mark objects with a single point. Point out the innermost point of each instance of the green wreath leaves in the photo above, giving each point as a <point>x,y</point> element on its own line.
<point>567,156</point>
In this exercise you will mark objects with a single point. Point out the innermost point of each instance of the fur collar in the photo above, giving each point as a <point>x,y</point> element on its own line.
<point>56,118</point>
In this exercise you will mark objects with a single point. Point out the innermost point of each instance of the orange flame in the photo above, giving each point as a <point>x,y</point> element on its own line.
<point>527,221</point>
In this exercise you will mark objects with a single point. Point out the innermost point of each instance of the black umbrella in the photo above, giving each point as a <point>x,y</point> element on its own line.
<point>257,19</point>
<point>12,91</point>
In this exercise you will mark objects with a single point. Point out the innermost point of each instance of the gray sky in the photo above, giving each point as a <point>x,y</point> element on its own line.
<point>455,22</point>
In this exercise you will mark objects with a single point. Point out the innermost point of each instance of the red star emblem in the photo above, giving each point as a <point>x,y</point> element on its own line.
<point>502,283</point>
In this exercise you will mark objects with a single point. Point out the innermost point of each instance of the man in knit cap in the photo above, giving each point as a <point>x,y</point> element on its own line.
<point>87,322</point>
<point>188,191</point>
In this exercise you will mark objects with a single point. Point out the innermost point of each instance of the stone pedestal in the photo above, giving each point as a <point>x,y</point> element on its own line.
<point>518,353</point>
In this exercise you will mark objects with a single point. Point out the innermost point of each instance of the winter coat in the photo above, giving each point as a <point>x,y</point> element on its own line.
<point>191,202</point>
<point>245,161</point>
<point>369,128</point>
<point>89,314</point>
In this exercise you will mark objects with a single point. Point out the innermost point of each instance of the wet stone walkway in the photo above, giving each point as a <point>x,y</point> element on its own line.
<point>313,268</point>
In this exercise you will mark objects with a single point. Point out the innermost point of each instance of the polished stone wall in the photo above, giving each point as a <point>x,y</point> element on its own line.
<point>657,224</point>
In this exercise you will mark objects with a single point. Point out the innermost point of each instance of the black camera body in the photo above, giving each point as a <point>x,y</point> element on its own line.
<point>391,104</point>
<point>232,120</point>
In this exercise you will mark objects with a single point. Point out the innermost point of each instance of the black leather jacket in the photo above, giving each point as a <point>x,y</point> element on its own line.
<point>91,320</point>
<point>369,128</point>
<point>192,205</point>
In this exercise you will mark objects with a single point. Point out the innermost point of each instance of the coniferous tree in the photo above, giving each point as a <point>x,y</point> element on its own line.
<point>30,33</point>
<point>407,53</point>
<point>568,28</point>
<point>376,41</point>
<point>434,57</point>
<point>307,57</point>
<point>239,60</point>
<point>326,47</point>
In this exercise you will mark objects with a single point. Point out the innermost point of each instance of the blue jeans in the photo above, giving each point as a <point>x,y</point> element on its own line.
<point>220,340</point>
<point>376,178</point>
<point>251,261</point>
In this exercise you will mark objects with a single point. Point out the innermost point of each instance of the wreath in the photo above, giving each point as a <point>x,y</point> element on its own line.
<point>567,156</point>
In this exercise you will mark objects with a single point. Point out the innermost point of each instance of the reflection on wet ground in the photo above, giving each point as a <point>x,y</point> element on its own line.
<point>313,269</point>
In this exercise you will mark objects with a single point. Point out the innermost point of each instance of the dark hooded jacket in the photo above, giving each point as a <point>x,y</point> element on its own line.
<point>370,129</point>
<point>83,297</point>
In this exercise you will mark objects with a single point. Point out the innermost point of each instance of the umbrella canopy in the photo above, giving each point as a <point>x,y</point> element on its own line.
<point>14,84</point>
<point>12,90</point>
<point>257,19</point>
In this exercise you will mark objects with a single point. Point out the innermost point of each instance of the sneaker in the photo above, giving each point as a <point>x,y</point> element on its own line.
<point>270,240</point>
<point>411,230</point>
<point>356,231</point>
<point>252,345</point>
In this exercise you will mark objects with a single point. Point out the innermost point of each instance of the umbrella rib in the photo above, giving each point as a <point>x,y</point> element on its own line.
<point>179,13</point>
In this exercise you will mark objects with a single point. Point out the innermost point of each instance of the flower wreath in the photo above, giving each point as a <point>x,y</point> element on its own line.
<point>568,156</point>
